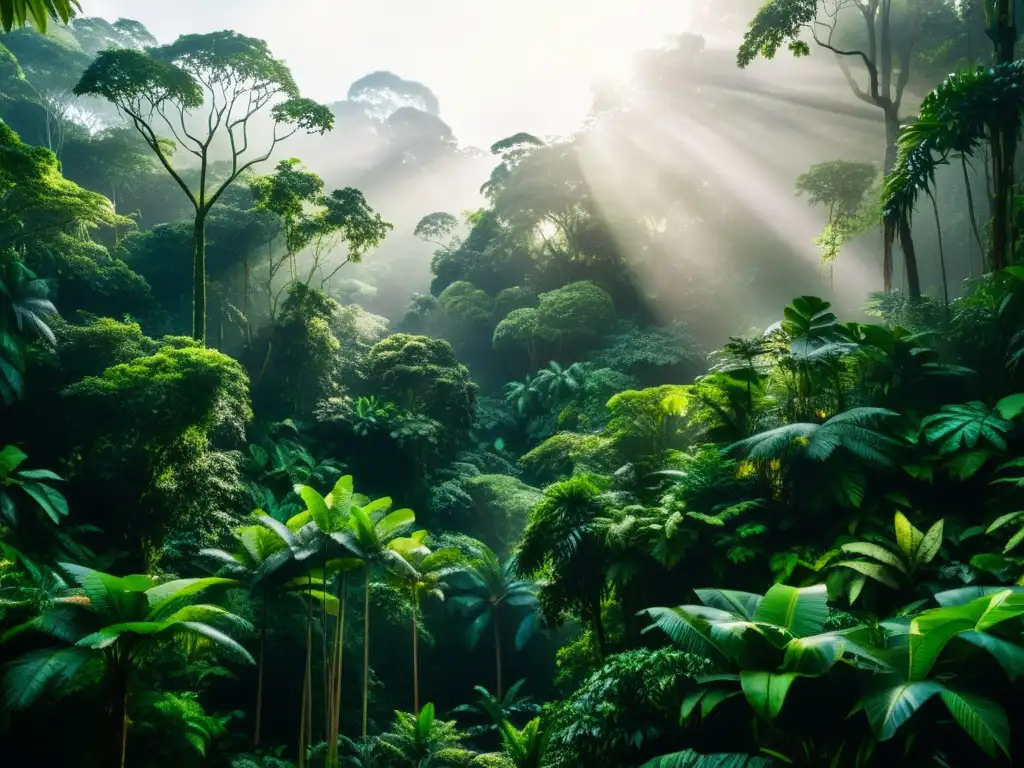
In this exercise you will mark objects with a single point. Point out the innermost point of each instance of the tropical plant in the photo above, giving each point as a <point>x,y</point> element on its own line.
<point>886,562</point>
<point>29,481</point>
<point>425,579</point>
<point>118,621</point>
<point>16,13</point>
<point>487,590</point>
<point>525,747</point>
<point>424,742</point>
<point>496,710</point>
<point>24,308</point>
<point>370,531</point>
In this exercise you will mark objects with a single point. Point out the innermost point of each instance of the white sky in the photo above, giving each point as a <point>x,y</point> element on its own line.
<point>497,66</point>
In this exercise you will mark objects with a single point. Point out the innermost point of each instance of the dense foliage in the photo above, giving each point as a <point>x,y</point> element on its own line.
<point>264,505</point>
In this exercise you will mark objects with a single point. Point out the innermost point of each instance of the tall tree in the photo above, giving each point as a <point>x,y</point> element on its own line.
<point>490,589</point>
<point>121,622</point>
<point>229,76</point>
<point>884,49</point>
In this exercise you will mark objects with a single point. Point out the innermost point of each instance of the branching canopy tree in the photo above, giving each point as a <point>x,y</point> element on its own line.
<point>886,58</point>
<point>230,76</point>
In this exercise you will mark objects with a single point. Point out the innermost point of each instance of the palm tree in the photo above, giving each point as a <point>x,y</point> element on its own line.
<point>425,578</point>
<point>370,531</point>
<point>522,396</point>
<point>556,382</point>
<point>117,620</point>
<point>971,108</point>
<point>489,589</point>
<point>259,563</point>
<point>561,539</point>
<point>423,742</point>
<point>19,12</point>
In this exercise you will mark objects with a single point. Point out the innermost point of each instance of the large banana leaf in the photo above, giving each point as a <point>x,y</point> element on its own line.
<point>28,676</point>
<point>891,706</point>
<point>982,719</point>
<point>766,691</point>
<point>802,611</point>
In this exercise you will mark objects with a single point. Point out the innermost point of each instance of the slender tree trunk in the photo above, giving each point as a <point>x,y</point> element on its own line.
<point>305,724</point>
<point>323,646</point>
<point>909,259</point>
<point>889,231</point>
<point>119,717</point>
<point>1004,148</point>
<point>245,301</point>
<point>199,278</point>
<point>366,648</point>
<point>339,647</point>
<point>598,624</point>
<point>259,673</point>
<point>497,654</point>
<point>415,662</point>
<point>942,256</point>
<point>973,217</point>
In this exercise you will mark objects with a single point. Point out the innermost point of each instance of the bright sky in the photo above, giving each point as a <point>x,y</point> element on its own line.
<point>497,66</point>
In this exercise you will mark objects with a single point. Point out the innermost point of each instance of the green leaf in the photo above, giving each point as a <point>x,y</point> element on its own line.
<point>876,552</point>
<point>340,502</point>
<point>982,719</point>
<point>395,522</point>
<point>1009,655</point>
<point>317,507</point>
<point>800,610</point>
<point>741,603</point>
<point>925,648</point>
<point>166,598</point>
<point>1011,406</point>
<point>813,656</point>
<point>50,499</point>
<point>907,536</point>
<point>30,675</point>
<point>929,546</point>
<point>1002,520</point>
<point>476,629</point>
<point>690,702</point>
<point>766,691</point>
<point>10,458</point>
<point>874,571</point>
<point>888,709</point>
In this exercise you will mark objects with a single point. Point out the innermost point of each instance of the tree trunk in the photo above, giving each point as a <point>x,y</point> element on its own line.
<point>497,653</point>
<point>942,256</point>
<point>1004,149</point>
<point>598,625</point>
<point>245,302</point>
<point>415,663</point>
<point>119,717</point>
<point>259,674</point>
<point>909,259</point>
<point>366,648</point>
<point>892,129</point>
<point>339,647</point>
<point>199,279</point>
<point>306,715</point>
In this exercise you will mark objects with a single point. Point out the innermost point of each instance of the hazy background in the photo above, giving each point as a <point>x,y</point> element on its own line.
<point>497,66</point>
